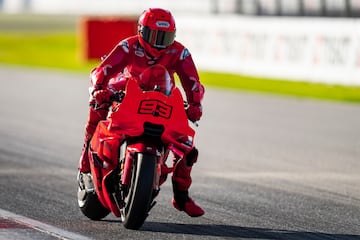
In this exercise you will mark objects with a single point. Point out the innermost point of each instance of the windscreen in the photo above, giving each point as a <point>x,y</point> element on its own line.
<point>156,78</point>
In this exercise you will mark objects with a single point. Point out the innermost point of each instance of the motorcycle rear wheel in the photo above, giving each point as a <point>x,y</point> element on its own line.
<point>139,198</point>
<point>90,205</point>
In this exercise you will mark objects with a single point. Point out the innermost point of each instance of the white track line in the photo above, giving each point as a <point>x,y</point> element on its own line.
<point>42,227</point>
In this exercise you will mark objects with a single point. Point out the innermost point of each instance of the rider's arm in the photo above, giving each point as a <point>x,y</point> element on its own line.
<point>189,78</point>
<point>114,63</point>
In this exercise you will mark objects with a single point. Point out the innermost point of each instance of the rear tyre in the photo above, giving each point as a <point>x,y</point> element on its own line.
<point>90,205</point>
<point>138,201</point>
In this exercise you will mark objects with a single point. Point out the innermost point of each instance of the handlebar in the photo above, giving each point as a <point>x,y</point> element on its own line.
<point>117,97</point>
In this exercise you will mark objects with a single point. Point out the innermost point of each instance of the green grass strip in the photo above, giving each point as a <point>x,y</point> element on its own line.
<point>283,87</point>
<point>49,50</point>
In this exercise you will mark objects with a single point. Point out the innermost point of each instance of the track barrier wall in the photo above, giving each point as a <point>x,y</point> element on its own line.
<point>306,49</point>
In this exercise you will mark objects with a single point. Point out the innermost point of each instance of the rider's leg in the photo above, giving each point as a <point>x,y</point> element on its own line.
<point>94,117</point>
<point>181,180</point>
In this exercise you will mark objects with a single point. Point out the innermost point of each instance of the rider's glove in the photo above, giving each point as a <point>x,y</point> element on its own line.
<point>194,112</point>
<point>102,96</point>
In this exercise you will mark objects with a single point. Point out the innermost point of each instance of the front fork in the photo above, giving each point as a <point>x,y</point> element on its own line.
<point>127,156</point>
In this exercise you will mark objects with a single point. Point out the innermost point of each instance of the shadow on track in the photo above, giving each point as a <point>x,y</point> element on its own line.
<point>215,230</point>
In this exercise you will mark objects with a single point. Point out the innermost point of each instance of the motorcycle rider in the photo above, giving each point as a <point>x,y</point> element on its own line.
<point>154,44</point>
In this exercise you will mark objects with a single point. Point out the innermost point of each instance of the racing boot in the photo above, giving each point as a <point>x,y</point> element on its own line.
<point>181,181</point>
<point>86,186</point>
<point>85,181</point>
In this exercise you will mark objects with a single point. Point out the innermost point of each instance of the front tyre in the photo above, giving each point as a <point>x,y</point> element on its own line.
<point>138,201</point>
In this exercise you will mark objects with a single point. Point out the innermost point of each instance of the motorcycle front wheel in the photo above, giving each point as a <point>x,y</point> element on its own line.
<point>138,200</point>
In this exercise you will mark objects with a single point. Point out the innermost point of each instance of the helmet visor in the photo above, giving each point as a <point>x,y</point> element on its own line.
<point>157,38</point>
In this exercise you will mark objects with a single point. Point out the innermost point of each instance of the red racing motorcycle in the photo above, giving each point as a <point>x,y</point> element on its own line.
<point>129,149</point>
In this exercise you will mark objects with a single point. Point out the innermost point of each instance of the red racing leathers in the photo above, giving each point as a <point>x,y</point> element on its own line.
<point>129,58</point>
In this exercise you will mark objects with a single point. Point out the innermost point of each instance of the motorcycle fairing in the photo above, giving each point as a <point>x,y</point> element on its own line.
<point>156,108</point>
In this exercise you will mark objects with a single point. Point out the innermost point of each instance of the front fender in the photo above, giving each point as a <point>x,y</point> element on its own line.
<point>131,150</point>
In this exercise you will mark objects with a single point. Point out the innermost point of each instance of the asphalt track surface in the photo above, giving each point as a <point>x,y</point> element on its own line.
<point>270,167</point>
